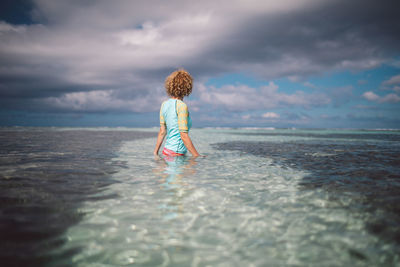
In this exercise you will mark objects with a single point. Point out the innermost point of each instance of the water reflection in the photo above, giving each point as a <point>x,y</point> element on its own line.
<point>172,172</point>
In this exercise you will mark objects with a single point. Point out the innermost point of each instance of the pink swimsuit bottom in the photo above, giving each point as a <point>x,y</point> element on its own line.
<point>169,152</point>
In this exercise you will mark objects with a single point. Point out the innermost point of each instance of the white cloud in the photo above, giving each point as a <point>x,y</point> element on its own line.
<point>393,80</point>
<point>243,97</point>
<point>389,98</point>
<point>371,96</point>
<point>270,115</point>
<point>393,83</point>
<point>94,101</point>
<point>294,78</point>
<point>8,28</point>
<point>310,85</point>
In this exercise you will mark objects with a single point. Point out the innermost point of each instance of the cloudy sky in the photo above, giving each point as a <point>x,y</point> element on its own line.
<point>287,63</point>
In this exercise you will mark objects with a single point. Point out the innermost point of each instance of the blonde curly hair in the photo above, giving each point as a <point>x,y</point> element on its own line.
<point>179,83</point>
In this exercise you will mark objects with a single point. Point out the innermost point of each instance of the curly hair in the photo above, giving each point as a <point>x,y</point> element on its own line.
<point>179,83</point>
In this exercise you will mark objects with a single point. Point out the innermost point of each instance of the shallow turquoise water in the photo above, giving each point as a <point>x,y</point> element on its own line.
<point>250,202</point>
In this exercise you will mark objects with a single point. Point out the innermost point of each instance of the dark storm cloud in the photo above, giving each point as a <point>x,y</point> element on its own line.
<point>330,35</point>
<point>16,11</point>
<point>99,55</point>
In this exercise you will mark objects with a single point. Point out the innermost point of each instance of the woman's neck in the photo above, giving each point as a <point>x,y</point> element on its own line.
<point>179,98</point>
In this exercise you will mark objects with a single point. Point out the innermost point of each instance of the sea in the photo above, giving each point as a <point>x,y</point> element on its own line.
<point>258,197</point>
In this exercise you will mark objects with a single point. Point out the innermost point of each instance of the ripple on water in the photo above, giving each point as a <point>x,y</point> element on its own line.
<point>230,208</point>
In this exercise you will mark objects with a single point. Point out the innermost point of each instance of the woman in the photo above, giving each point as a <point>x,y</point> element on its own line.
<point>175,121</point>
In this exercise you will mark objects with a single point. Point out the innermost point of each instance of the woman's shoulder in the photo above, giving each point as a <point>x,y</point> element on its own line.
<point>180,103</point>
<point>164,103</point>
<point>181,106</point>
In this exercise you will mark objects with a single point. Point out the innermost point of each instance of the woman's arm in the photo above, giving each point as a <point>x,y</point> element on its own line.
<point>160,139</point>
<point>189,145</point>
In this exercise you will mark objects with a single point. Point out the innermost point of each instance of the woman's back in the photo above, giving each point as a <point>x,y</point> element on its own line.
<point>174,114</point>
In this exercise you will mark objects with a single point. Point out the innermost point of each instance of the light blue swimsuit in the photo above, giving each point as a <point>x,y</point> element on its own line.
<point>175,115</point>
